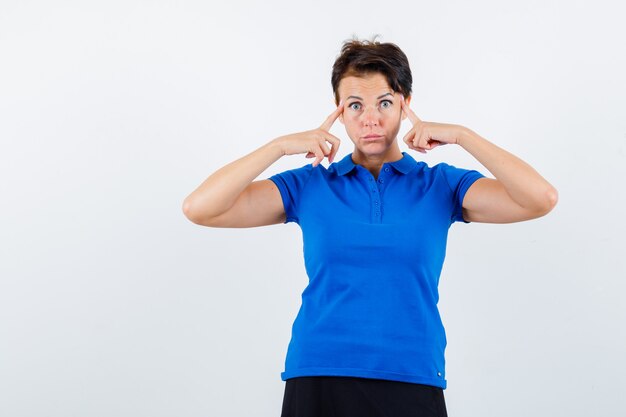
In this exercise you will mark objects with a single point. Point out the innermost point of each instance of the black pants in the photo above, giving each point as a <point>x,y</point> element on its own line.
<point>334,396</point>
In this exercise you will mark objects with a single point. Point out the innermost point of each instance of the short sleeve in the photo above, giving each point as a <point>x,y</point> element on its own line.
<point>291,183</point>
<point>459,180</point>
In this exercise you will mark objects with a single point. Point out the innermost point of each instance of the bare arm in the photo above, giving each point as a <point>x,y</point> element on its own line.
<point>517,193</point>
<point>230,198</point>
<point>231,187</point>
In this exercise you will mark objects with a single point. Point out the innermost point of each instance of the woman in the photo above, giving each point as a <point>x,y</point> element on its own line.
<point>368,339</point>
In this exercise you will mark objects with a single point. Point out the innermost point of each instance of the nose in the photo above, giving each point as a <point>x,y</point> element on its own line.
<point>370,116</point>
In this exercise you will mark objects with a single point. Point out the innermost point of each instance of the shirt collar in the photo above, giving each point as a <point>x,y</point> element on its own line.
<point>403,165</point>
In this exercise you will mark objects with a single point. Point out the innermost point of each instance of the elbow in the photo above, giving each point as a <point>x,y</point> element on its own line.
<point>550,198</point>
<point>553,197</point>
<point>189,211</point>
<point>196,214</point>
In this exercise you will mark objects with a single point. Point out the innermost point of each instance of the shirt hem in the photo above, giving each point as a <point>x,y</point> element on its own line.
<point>365,373</point>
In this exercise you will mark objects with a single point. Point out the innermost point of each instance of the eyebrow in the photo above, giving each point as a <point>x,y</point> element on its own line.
<point>379,97</point>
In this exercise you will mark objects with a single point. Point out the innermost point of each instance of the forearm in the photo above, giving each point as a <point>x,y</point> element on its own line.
<point>529,189</point>
<point>222,188</point>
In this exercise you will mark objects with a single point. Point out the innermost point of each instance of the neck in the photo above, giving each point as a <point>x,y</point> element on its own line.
<point>374,162</point>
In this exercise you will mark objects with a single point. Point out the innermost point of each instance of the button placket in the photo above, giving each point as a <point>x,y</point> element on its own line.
<point>377,200</point>
<point>375,186</point>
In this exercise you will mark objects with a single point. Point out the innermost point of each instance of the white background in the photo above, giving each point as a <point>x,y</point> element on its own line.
<point>112,303</point>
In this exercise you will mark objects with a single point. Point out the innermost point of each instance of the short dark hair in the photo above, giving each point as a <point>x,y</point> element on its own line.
<point>359,58</point>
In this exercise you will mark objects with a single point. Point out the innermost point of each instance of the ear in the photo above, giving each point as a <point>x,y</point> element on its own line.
<point>341,115</point>
<point>407,101</point>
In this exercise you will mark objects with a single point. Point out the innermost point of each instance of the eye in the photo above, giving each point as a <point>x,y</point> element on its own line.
<point>354,104</point>
<point>387,106</point>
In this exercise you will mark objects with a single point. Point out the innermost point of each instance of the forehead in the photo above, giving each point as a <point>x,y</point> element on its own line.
<point>371,85</point>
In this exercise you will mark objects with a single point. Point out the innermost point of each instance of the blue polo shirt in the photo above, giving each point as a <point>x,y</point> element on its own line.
<point>373,253</point>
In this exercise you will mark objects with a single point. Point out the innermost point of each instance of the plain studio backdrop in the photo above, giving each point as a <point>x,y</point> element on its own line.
<point>112,303</point>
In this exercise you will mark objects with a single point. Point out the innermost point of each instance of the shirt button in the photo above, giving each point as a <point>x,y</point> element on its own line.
<point>438,373</point>
<point>381,180</point>
<point>376,202</point>
<point>386,169</point>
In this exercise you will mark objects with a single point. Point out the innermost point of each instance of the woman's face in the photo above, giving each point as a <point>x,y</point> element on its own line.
<point>370,108</point>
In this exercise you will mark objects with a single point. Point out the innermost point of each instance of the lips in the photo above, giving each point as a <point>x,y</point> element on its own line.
<point>372,137</point>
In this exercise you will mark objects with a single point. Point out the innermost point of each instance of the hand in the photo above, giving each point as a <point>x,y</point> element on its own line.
<point>428,135</point>
<point>313,142</point>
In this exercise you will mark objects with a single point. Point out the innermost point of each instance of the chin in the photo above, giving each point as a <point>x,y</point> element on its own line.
<point>373,148</point>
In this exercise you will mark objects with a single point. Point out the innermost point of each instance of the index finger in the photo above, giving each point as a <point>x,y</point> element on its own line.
<point>412,116</point>
<point>333,116</point>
